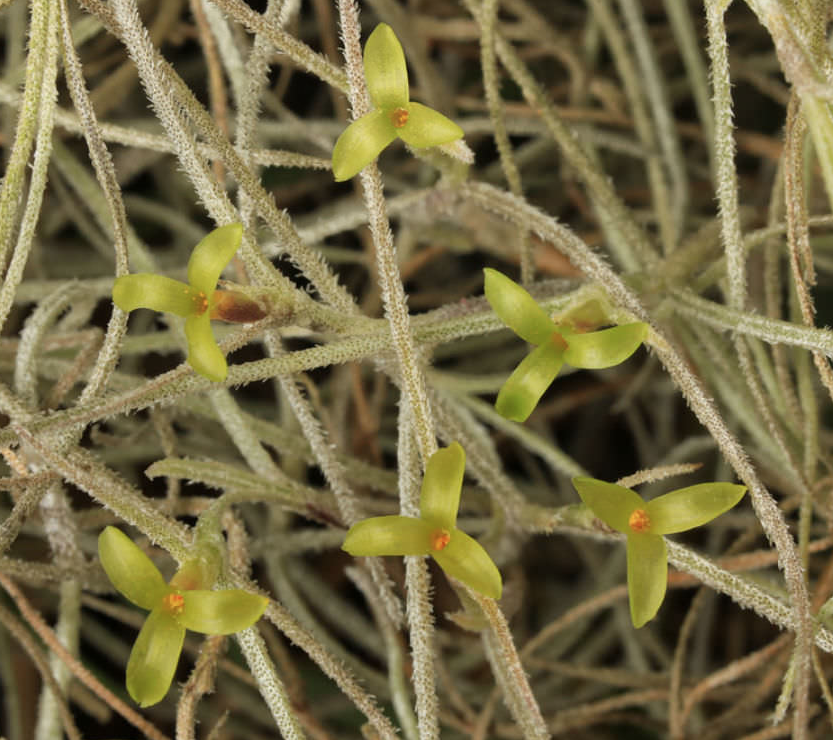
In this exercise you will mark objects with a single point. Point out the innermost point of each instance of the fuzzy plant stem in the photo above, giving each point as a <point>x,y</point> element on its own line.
<point>285,43</point>
<point>400,696</point>
<point>420,611</point>
<point>632,82</point>
<point>687,37</point>
<point>649,67</point>
<point>393,292</point>
<point>337,479</point>
<point>509,671</point>
<point>106,174</point>
<point>491,85</point>
<point>633,248</point>
<point>248,99</point>
<point>413,379</point>
<point>331,666</point>
<point>727,196</point>
<point>771,331</point>
<point>28,123</point>
<point>17,629</point>
<point>67,631</point>
<point>269,683</point>
<point>36,622</point>
<point>45,118</point>
<point>745,593</point>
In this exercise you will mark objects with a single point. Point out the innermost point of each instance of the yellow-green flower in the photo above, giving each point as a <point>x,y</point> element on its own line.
<point>644,523</point>
<point>394,114</point>
<point>182,604</point>
<point>435,532</point>
<point>555,345</point>
<point>197,301</point>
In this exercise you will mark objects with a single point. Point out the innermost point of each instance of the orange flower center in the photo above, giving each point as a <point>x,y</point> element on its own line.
<point>558,340</point>
<point>440,539</point>
<point>639,521</point>
<point>174,603</point>
<point>200,303</point>
<point>399,117</point>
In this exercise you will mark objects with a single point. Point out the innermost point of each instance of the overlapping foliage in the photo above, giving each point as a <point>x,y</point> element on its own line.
<point>666,167</point>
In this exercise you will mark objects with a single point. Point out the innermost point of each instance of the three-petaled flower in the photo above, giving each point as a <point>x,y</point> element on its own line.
<point>435,532</point>
<point>182,604</point>
<point>644,523</point>
<point>555,345</point>
<point>197,302</point>
<point>394,114</point>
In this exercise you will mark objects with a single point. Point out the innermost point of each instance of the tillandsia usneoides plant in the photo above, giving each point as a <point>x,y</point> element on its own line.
<point>416,370</point>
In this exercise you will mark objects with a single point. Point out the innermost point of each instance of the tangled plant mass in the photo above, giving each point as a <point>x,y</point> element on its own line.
<point>372,498</point>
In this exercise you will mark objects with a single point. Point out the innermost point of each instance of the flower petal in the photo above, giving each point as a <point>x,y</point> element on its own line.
<point>427,127</point>
<point>221,612</point>
<point>360,143</point>
<point>131,571</point>
<point>692,506</point>
<point>389,535</point>
<point>647,576</point>
<point>203,353</point>
<point>611,503</point>
<point>516,308</point>
<point>385,70</point>
<point>605,348</point>
<point>465,559</point>
<point>154,657</point>
<point>529,381</point>
<point>439,498</point>
<point>157,292</point>
<point>211,255</point>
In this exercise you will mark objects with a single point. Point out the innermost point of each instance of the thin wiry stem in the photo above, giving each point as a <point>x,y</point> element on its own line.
<point>509,671</point>
<point>400,696</point>
<point>724,147</point>
<point>685,32</point>
<point>393,293</point>
<point>28,123</point>
<point>633,248</point>
<point>773,331</point>
<point>270,685</point>
<point>52,687</point>
<point>798,232</point>
<point>301,53</point>
<point>491,84</point>
<point>345,497</point>
<point>663,118</point>
<point>35,621</point>
<point>420,611</point>
<point>334,669</point>
<point>631,79</point>
<point>45,118</point>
